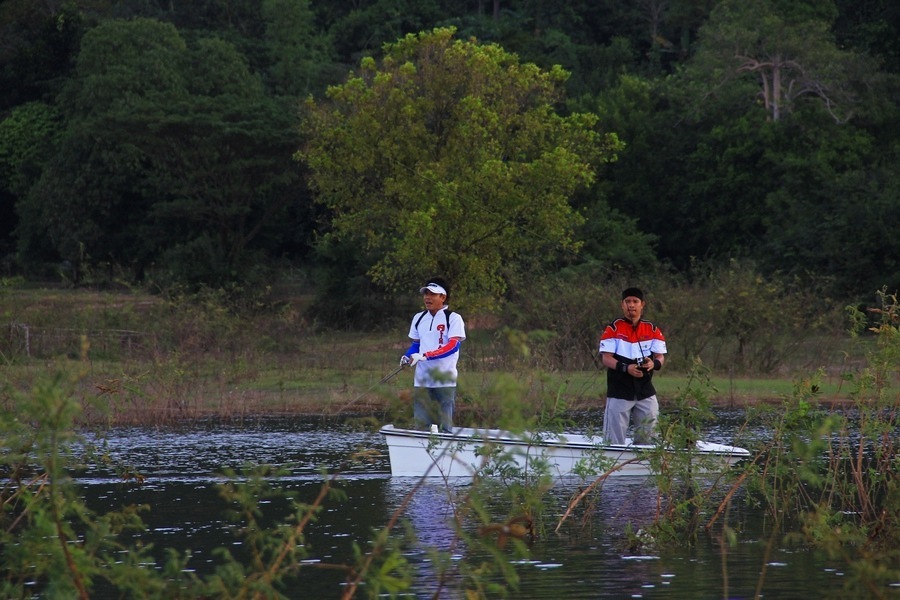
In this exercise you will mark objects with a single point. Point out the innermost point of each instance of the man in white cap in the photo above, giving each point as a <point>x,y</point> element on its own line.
<point>436,333</point>
<point>632,349</point>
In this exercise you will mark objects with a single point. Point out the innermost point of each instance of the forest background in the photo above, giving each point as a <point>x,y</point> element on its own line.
<point>735,158</point>
<point>226,208</point>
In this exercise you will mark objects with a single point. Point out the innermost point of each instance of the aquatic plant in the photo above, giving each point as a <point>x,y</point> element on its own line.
<point>52,545</point>
<point>829,480</point>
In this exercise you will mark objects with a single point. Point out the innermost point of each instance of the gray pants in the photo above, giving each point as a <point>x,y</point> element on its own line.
<point>619,412</point>
<point>434,405</point>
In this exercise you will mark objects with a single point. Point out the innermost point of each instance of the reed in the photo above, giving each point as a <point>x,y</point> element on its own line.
<point>827,479</point>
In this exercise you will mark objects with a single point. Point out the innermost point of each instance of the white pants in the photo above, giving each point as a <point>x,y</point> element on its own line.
<point>619,412</point>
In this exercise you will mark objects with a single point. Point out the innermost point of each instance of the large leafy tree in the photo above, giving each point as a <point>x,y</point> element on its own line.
<point>300,56</point>
<point>735,169</point>
<point>92,196</point>
<point>449,157</point>
<point>786,51</point>
<point>172,158</point>
<point>647,182</point>
<point>39,41</point>
<point>835,211</point>
<point>27,139</point>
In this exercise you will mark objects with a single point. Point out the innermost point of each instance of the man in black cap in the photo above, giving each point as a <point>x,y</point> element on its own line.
<point>631,349</point>
<point>436,333</point>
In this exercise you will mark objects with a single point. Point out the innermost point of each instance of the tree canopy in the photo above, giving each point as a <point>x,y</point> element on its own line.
<point>450,157</point>
<point>788,53</point>
<point>154,142</point>
<point>172,155</point>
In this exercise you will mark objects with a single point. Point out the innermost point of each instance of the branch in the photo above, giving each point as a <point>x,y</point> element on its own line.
<point>594,484</point>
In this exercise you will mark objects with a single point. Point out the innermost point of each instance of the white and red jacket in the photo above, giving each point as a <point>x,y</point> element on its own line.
<point>629,343</point>
<point>438,336</point>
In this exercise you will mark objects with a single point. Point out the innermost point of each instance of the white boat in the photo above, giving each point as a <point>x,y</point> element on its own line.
<point>467,451</point>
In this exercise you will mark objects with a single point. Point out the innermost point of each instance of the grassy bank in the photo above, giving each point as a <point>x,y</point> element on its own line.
<point>139,358</point>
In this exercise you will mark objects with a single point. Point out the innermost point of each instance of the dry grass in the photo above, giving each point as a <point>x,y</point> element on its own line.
<point>139,359</point>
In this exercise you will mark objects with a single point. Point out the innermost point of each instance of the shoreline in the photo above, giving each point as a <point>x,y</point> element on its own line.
<point>366,411</point>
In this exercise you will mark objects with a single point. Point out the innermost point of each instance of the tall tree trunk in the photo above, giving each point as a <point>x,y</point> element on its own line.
<point>776,89</point>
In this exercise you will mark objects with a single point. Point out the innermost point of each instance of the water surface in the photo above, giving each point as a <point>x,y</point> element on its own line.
<point>182,466</point>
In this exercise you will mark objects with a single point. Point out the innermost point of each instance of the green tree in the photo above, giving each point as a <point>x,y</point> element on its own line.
<point>835,211</point>
<point>367,25</point>
<point>220,164</point>
<point>645,185</point>
<point>27,139</point>
<point>300,56</point>
<point>173,158</point>
<point>450,158</point>
<point>786,50</point>
<point>39,42</point>
<point>872,27</point>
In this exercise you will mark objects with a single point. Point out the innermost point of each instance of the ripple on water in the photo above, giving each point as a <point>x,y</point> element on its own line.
<point>181,467</point>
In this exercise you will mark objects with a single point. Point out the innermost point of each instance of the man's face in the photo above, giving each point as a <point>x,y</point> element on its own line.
<point>433,301</point>
<point>632,308</point>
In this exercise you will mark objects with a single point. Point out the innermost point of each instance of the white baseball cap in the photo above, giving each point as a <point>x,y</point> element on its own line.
<point>433,288</point>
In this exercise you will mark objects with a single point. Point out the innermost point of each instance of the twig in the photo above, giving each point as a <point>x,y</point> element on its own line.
<point>594,484</point>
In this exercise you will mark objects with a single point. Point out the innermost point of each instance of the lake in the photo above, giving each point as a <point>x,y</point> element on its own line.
<point>180,467</point>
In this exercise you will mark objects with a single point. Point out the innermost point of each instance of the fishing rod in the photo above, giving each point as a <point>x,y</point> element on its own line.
<point>384,379</point>
<point>389,376</point>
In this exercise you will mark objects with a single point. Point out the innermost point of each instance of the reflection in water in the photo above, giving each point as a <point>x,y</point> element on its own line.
<point>428,509</point>
<point>586,558</point>
<point>555,558</point>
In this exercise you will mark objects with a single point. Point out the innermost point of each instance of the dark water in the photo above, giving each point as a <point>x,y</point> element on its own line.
<point>181,468</point>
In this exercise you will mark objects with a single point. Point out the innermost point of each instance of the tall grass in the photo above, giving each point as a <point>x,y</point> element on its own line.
<point>828,480</point>
<point>155,360</point>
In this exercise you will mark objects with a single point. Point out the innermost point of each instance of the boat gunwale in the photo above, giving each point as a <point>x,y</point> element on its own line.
<point>502,437</point>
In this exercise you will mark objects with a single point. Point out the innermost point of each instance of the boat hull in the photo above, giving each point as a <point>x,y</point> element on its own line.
<point>467,451</point>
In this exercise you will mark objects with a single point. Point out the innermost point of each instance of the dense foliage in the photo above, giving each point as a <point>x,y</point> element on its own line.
<point>152,143</point>
<point>450,159</point>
